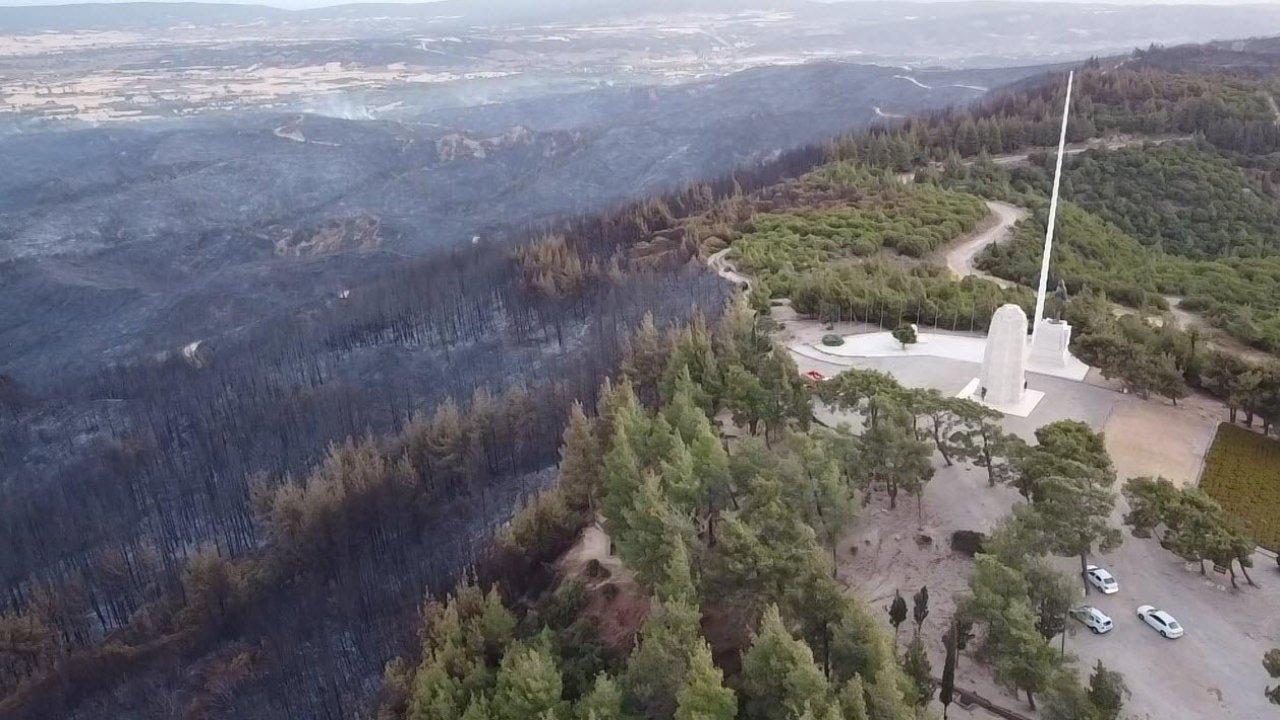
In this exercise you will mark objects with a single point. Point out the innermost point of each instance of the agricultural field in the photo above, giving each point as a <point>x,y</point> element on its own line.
<point>1242,472</point>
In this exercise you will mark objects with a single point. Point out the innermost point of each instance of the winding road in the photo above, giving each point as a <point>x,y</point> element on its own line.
<point>997,227</point>
<point>725,269</point>
<point>959,258</point>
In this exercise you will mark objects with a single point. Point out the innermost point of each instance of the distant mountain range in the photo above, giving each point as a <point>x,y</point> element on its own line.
<point>975,29</point>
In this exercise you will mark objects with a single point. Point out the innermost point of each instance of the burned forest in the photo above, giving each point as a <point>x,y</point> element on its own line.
<point>336,340</point>
<point>262,513</point>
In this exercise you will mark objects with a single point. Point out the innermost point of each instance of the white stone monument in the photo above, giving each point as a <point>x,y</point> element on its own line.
<point>1004,363</point>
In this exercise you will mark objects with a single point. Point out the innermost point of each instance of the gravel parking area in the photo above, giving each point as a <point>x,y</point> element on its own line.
<point>1213,672</point>
<point>1215,669</point>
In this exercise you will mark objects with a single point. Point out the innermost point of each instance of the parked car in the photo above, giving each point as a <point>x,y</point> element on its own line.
<point>1161,621</point>
<point>1093,618</point>
<point>1101,579</point>
<point>815,376</point>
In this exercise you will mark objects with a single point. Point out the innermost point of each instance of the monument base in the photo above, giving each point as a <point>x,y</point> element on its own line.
<point>1025,404</point>
<point>1050,344</point>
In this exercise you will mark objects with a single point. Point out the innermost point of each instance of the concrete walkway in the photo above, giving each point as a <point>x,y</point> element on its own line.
<point>968,348</point>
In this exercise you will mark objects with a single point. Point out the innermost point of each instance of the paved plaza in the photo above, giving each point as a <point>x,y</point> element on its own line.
<point>1063,399</point>
<point>1214,671</point>
<point>949,346</point>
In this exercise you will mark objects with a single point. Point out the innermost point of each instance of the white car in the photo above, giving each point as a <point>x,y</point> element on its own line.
<point>1162,621</point>
<point>1093,618</point>
<point>1101,579</point>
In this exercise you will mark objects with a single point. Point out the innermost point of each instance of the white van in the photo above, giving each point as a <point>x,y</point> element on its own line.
<point>1093,618</point>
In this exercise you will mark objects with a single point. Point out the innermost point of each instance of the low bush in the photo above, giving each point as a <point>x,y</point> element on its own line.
<point>595,570</point>
<point>968,542</point>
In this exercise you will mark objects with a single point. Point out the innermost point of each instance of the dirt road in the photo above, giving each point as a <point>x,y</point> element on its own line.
<point>725,269</point>
<point>998,227</point>
<point>1214,337</point>
<point>1111,143</point>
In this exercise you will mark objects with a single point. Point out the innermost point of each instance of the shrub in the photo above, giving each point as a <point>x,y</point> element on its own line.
<point>595,570</point>
<point>905,334</point>
<point>883,292</point>
<point>832,340</point>
<point>968,542</point>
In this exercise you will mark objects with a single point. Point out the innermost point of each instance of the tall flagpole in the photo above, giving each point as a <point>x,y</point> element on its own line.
<point>1053,213</point>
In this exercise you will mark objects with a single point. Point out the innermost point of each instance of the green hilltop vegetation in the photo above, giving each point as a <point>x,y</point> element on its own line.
<point>1232,278</point>
<point>891,293</point>
<point>1181,198</point>
<point>1187,214</point>
<point>725,555</point>
<point>1197,219</point>
<point>847,243</point>
<point>1088,253</point>
<point>1192,218</point>
<point>1197,228</point>
<point>879,213</point>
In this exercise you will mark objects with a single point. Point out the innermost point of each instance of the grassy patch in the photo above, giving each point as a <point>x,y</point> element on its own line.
<point>1242,472</point>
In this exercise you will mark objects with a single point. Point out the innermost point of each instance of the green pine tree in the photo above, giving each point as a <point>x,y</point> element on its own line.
<point>917,666</point>
<point>653,531</point>
<point>581,462</point>
<point>657,667</point>
<point>704,696</point>
<point>477,709</point>
<point>853,699</point>
<point>779,677</point>
<point>528,685</point>
<point>602,702</point>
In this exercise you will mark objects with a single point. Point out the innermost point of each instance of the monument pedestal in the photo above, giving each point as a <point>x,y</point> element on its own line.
<point>1023,408</point>
<point>1050,343</point>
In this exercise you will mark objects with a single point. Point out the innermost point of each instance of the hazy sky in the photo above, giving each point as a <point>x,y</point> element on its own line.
<point>323,3</point>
